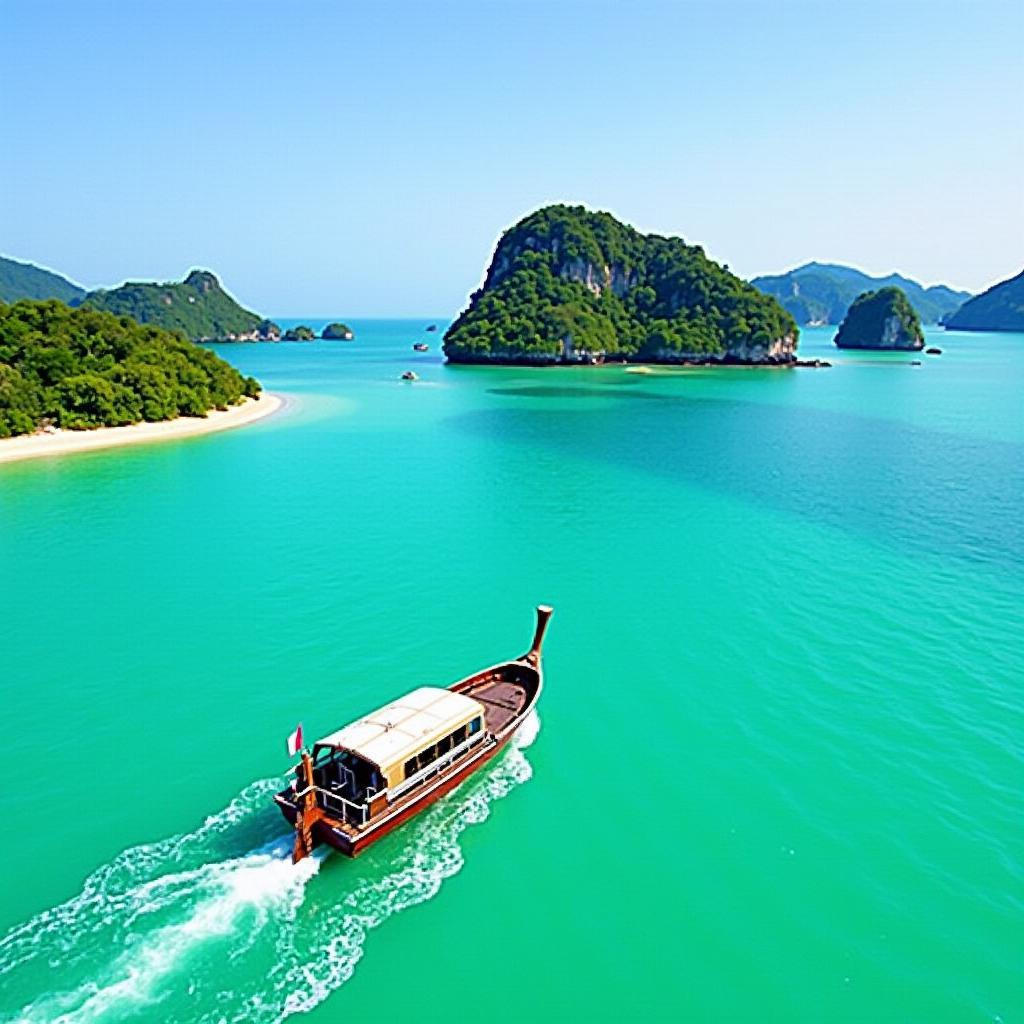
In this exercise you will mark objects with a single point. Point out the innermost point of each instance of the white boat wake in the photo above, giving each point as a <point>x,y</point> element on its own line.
<point>180,926</point>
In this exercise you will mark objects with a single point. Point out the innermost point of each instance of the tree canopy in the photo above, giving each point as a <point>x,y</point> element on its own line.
<point>567,283</point>
<point>80,368</point>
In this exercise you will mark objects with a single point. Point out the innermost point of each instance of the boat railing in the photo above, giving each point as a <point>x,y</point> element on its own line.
<point>346,810</point>
<point>353,813</point>
<point>435,767</point>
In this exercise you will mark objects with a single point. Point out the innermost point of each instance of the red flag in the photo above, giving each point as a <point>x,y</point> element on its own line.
<point>295,741</point>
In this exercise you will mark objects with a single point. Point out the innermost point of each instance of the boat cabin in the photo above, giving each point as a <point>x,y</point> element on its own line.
<point>361,769</point>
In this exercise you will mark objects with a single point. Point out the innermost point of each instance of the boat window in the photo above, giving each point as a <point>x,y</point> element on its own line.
<point>459,736</point>
<point>411,768</point>
<point>444,745</point>
<point>474,726</point>
<point>426,756</point>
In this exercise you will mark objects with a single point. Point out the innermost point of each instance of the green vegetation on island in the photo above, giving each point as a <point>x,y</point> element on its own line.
<point>821,293</point>
<point>1000,308</point>
<point>337,332</point>
<point>198,307</point>
<point>568,285</point>
<point>26,281</point>
<point>81,368</point>
<point>300,333</point>
<point>882,319</point>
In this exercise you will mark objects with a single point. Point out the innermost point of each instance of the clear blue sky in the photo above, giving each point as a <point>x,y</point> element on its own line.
<point>361,158</point>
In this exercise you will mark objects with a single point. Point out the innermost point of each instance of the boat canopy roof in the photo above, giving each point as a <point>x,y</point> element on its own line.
<point>397,731</point>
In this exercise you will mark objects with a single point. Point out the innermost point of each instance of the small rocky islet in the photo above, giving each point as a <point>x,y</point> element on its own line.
<point>337,332</point>
<point>882,320</point>
<point>300,333</point>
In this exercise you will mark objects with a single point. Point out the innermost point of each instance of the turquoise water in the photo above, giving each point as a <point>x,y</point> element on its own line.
<point>777,767</point>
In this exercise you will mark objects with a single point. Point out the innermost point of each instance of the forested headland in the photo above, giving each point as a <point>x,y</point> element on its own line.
<point>82,368</point>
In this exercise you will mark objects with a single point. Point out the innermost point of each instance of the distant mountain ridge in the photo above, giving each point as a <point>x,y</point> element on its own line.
<point>198,307</point>
<point>822,293</point>
<point>1000,308</point>
<point>27,281</point>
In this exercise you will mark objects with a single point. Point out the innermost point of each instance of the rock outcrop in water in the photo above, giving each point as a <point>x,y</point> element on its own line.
<point>883,319</point>
<point>300,333</point>
<point>337,332</point>
<point>567,285</point>
<point>1001,308</point>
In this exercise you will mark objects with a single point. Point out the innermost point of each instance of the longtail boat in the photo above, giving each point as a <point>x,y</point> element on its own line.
<point>361,782</point>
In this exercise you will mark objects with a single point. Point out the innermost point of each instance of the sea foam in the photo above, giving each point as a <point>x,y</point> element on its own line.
<point>180,924</point>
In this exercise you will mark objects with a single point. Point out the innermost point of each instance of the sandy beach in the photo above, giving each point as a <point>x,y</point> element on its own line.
<point>65,442</point>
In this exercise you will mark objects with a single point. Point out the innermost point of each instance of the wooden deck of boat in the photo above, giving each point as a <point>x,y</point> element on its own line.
<point>502,700</point>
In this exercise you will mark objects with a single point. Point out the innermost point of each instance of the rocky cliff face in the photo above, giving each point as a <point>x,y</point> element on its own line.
<point>595,278</point>
<point>777,352</point>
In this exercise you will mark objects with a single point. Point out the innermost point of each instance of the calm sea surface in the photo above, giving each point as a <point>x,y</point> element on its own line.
<point>777,772</point>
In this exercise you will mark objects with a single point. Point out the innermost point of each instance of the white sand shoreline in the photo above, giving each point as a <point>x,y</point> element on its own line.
<point>65,442</point>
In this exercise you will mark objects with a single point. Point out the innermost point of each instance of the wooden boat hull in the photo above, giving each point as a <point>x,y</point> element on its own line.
<point>509,692</point>
<point>326,832</point>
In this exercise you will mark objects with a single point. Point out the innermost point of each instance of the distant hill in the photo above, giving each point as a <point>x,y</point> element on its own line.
<point>821,293</point>
<point>1001,308</point>
<point>27,281</point>
<point>198,307</point>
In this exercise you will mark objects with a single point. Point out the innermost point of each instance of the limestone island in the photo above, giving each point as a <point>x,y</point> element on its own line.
<point>300,333</point>
<point>79,378</point>
<point>882,320</point>
<point>567,285</point>
<point>337,332</point>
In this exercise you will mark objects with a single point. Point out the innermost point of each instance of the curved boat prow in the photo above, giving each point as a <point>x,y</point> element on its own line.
<point>543,615</point>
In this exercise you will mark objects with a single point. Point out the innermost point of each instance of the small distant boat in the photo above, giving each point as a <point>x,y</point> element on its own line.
<point>420,347</point>
<point>639,369</point>
<point>409,375</point>
<point>432,327</point>
<point>933,351</point>
<point>361,782</point>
